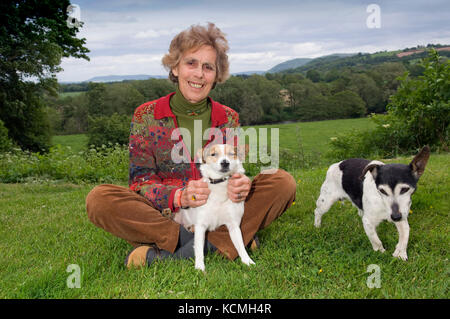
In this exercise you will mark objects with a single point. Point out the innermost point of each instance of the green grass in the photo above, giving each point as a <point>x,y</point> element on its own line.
<point>44,229</point>
<point>76,142</point>
<point>314,137</point>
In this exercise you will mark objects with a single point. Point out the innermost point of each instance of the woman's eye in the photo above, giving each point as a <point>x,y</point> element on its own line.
<point>404,190</point>
<point>382,191</point>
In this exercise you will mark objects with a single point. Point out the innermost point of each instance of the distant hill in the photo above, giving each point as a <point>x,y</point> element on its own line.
<point>249,73</point>
<point>290,64</point>
<point>302,65</point>
<point>364,60</point>
<point>299,62</point>
<point>118,78</point>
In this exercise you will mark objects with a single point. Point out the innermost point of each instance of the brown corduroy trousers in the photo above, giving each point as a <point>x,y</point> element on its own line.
<point>130,216</point>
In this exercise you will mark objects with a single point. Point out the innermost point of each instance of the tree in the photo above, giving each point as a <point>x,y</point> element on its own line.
<point>418,115</point>
<point>231,93</point>
<point>34,37</point>
<point>422,105</point>
<point>96,99</point>
<point>269,94</point>
<point>386,76</point>
<point>123,97</point>
<point>368,90</point>
<point>313,75</point>
<point>347,104</point>
<point>153,89</point>
<point>5,142</point>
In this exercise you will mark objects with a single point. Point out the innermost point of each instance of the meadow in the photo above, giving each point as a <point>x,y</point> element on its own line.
<point>45,229</point>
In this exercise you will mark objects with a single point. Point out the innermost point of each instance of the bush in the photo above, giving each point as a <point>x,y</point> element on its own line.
<point>113,129</point>
<point>108,165</point>
<point>423,104</point>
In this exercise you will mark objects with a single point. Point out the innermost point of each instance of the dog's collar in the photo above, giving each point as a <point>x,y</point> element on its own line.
<point>218,180</point>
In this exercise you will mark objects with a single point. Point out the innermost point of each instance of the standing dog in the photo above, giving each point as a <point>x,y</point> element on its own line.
<point>220,162</point>
<point>379,191</point>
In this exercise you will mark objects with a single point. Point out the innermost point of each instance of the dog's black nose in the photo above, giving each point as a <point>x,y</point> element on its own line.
<point>396,216</point>
<point>225,164</point>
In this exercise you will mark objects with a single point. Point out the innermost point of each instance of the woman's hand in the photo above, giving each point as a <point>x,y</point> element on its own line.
<point>195,194</point>
<point>238,187</point>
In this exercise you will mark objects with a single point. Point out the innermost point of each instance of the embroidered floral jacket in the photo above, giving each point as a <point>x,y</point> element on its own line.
<point>154,171</point>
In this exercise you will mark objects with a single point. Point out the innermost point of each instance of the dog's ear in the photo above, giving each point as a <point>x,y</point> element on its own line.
<point>372,168</point>
<point>200,155</point>
<point>419,162</point>
<point>241,150</point>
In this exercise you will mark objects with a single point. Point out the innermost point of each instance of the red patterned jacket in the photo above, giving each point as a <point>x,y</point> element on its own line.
<point>152,172</point>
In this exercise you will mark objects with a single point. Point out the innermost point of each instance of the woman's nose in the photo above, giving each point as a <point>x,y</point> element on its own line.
<point>198,72</point>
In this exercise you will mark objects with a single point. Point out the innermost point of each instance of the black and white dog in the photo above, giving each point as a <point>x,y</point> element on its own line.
<point>379,191</point>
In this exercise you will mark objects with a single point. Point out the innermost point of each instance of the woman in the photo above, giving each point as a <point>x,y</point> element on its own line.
<point>142,214</point>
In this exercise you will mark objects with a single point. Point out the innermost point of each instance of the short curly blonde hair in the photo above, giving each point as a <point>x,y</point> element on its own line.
<point>195,37</point>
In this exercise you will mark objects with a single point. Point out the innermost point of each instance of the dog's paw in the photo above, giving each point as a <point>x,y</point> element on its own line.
<point>317,221</point>
<point>248,262</point>
<point>200,267</point>
<point>400,253</point>
<point>379,248</point>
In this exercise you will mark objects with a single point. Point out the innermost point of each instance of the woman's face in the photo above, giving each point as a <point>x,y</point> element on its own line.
<point>196,73</point>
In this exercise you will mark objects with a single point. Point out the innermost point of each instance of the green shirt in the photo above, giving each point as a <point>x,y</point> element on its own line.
<point>187,112</point>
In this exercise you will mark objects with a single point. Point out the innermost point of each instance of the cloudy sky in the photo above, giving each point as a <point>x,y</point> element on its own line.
<point>131,36</point>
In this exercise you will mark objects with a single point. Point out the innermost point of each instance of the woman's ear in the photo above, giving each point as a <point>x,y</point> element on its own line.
<point>175,71</point>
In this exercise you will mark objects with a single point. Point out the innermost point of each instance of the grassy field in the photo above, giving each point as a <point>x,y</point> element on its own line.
<point>77,142</point>
<point>314,137</point>
<point>44,229</point>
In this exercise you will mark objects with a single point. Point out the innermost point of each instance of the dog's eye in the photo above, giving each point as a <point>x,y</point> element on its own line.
<point>404,190</point>
<point>382,191</point>
<point>213,154</point>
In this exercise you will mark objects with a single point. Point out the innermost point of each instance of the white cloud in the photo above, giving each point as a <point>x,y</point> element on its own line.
<point>131,37</point>
<point>81,70</point>
<point>307,49</point>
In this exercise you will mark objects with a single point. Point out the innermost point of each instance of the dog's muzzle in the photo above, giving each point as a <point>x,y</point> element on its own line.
<point>396,216</point>
<point>224,166</point>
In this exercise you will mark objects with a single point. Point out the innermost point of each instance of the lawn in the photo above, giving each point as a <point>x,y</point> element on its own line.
<point>76,142</point>
<point>314,137</point>
<point>44,229</point>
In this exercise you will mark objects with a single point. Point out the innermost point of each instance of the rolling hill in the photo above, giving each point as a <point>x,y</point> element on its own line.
<point>323,63</point>
<point>290,64</point>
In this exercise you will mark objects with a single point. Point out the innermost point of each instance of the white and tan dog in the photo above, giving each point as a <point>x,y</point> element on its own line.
<point>220,162</point>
